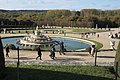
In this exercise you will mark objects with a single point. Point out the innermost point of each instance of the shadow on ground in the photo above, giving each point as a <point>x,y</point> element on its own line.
<point>105,56</point>
<point>24,58</point>
<point>64,59</point>
<point>37,74</point>
<point>77,54</point>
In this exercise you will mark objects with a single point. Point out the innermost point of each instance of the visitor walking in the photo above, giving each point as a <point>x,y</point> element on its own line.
<point>89,50</point>
<point>52,55</point>
<point>97,35</point>
<point>62,48</point>
<point>93,50</point>
<point>7,50</point>
<point>39,54</point>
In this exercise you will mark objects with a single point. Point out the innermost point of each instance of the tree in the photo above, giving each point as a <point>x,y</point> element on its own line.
<point>2,60</point>
<point>85,17</point>
<point>117,59</point>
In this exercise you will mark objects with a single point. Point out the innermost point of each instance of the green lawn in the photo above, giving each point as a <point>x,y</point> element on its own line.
<point>98,45</point>
<point>86,30</point>
<point>47,72</point>
<point>67,30</point>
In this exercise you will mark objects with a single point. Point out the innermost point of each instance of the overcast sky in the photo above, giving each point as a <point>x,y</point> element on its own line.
<point>59,4</point>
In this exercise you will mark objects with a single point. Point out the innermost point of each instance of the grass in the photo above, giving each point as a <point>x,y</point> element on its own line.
<point>67,30</point>
<point>47,72</point>
<point>98,45</point>
<point>86,30</point>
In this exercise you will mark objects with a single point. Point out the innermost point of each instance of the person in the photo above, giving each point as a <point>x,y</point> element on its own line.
<point>110,35</point>
<point>52,55</point>
<point>89,50</point>
<point>62,48</point>
<point>93,50</point>
<point>116,35</point>
<point>97,35</point>
<point>7,50</point>
<point>39,53</point>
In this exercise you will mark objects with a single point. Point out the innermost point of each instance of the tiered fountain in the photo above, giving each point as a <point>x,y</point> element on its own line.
<point>38,39</point>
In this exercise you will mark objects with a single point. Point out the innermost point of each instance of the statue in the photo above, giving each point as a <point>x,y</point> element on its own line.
<point>96,26</point>
<point>37,32</point>
<point>58,31</point>
<point>37,28</point>
<point>110,35</point>
<point>38,39</point>
<point>112,44</point>
<point>4,31</point>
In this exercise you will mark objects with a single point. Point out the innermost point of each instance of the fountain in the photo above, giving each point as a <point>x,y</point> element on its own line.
<point>38,39</point>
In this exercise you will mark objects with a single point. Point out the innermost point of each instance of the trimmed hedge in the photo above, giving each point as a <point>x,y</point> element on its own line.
<point>117,59</point>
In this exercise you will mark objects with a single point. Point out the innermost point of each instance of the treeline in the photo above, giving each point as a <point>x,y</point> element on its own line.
<point>6,23</point>
<point>65,18</point>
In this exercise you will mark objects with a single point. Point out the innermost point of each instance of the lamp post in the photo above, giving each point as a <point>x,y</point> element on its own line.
<point>18,64</point>
<point>64,33</point>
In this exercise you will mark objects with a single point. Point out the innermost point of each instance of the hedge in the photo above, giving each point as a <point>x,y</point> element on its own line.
<point>117,59</point>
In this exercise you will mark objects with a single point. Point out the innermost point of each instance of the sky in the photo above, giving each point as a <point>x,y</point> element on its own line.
<point>59,4</point>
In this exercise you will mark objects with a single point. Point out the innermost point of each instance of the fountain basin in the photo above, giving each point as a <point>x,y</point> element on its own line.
<point>71,44</point>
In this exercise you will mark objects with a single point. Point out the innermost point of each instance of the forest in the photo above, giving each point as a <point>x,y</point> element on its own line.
<point>85,18</point>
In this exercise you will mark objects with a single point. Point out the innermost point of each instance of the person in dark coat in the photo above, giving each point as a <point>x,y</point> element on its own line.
<point>7,50</point>
<point>89,50</point>
<point>62,48</point>
<point>93,50</point>
<point>39,54</point>
<point>52,55</point>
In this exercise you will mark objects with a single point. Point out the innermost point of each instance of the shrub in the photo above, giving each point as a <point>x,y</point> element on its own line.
<point>18,31</point>
<point>12,46</point>
<point>117,58</point>
<point>12,32</point>
<point>8,31</point>
<point>26,31</point>
<point>33,32</point>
